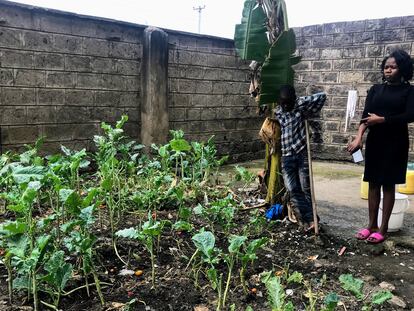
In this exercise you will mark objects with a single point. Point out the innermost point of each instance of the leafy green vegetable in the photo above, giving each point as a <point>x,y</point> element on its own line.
<point>354,285</point>
<point>381,296</point>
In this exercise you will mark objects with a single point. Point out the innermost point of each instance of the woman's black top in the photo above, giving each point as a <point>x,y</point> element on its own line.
<point>387,143</point>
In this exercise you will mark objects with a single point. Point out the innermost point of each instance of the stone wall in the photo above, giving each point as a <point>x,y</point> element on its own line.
<point>338,57</point>
<point>209,96</point>
<point>62,74</point>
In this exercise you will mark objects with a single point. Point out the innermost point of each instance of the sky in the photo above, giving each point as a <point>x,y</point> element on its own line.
<point>218,17</point>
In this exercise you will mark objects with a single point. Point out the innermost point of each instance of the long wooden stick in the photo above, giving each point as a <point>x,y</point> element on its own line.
<point>315,213</point>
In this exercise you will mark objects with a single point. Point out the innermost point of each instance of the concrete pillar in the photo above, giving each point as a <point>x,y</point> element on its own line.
<point>154,108</point>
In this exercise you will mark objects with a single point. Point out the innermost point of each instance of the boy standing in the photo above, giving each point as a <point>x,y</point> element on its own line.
<point>291,114</point>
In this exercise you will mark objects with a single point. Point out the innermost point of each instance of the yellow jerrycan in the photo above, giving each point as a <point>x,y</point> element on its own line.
<point>408,187</point>
<point>364,188</point>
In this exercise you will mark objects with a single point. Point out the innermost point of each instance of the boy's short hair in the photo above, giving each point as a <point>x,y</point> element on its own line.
<point>288,91</point>
<point>287,97</point>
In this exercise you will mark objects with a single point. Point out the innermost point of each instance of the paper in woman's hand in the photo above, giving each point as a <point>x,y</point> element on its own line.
<point>357,156</point>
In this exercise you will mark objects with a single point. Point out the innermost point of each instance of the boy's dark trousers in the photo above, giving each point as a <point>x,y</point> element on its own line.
<point>295,170</point>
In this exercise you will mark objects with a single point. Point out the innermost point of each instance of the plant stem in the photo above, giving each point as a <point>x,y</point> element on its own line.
<point>85,274</point>
<point>98,286</point>
<point>191,259</point>
<point>182,166</point>
<point>117,254</point>
<point>49,305</point>
<point>111,217</point>
<point>35,297</point>
<point>9,277</point>
<point>242,279</point>
<point>228,281</point>
<point>220,302</point>
<point>58,299</point>
<point>80,287</point>
<point>151,249</point>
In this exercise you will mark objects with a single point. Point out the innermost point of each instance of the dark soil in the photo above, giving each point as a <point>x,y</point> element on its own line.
<point>290,249</point>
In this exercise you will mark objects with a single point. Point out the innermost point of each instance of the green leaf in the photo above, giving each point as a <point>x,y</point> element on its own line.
<point>380,297</point>
<point>68,226</point>
<point>21,282</point>
<point>236,242</point>
<point>163,151</point>
<point>120,123</point>
<point>250,38</point>
<point>35,185</point>
<point>205,242</point>
<point>18,245</point>
<point>275,292</point>
<point>352,284</point>
<point>107,183</point>
<point>42,241</point>
<point>130,233</point>
<point>59,271</point>
<point>198,210</point>
<point>29,196</point>
<point>180,145</point>
<point>43,223</point>
<point>13,228</point>
<point>331,301</point>
<point>18,208</point>
<point>295,277</point>
<point>254,245</point>
<point>289,306</point>
<point>71,199</point>
<point>92,193</point>
<point>184,213</point>
<point>86,215</point>
<point>183,226</point>
<point>277,68</point>
<point>212,277</point>
<point>24,174</point>
<point>64,194</point>
<point>151,228</point>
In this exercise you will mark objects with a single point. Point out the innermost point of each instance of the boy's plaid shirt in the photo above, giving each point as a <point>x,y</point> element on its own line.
<point>292,124</point>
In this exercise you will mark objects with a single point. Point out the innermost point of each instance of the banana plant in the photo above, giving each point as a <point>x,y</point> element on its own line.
<point>264,37</point>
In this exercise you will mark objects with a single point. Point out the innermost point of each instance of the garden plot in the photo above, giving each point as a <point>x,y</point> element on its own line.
<point>124,229</point>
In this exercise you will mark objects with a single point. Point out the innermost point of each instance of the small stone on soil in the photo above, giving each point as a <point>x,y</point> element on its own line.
<point>387,286</point>
<point>397,301</point>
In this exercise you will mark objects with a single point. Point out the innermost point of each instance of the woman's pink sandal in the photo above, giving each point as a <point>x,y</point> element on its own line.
<point>375,238</point>
<point>363,234</point>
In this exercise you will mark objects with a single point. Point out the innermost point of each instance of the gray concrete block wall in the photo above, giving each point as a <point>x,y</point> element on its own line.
<point>208,89</point>
<point>62,74</point>
<point>337,57</point>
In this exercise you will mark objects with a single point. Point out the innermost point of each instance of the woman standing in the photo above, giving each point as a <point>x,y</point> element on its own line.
<point>389,107</point>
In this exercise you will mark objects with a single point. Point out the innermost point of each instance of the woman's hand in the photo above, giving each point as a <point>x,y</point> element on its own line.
<point>373,119</point>
<point>355,144</point>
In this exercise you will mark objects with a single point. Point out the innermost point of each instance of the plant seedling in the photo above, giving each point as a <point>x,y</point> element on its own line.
<point>148,233</point>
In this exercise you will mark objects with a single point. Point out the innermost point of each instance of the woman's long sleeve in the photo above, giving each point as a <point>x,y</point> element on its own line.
<point>408,115</point>
<point>368,100</point>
